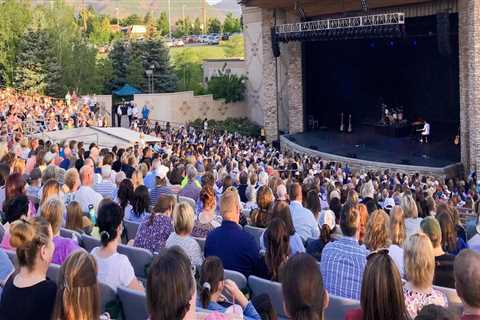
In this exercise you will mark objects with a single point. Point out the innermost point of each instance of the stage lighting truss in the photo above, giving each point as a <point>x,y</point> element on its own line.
<point>388,25</point>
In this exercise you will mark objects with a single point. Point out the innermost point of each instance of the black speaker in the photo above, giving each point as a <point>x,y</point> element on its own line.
<point>275,44</point>
<point>443,34</point>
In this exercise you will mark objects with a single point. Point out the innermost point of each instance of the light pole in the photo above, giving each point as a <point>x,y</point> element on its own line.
<point>169,20</point>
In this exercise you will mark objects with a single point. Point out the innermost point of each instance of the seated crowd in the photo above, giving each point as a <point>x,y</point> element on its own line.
<point>204,203</point>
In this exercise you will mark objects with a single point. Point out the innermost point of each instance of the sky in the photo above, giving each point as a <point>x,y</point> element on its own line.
<point>214,1</point>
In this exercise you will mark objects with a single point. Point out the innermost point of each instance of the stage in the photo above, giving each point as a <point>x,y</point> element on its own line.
<point>364,148</point>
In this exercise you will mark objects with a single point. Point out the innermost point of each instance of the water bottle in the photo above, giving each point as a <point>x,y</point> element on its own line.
<point>91,213</point>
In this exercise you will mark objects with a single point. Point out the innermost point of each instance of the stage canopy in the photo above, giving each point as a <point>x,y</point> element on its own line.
<point>126,90</point>
<point>104,137</point>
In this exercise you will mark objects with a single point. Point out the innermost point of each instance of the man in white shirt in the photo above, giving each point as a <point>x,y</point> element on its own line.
<point>425,132</point>
<point>85,195</point>
<point>303,219</point>
<point>106,187</point>
<point>135,112</point>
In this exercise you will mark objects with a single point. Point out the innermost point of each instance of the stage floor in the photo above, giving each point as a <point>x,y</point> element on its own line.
<point>364,144</point>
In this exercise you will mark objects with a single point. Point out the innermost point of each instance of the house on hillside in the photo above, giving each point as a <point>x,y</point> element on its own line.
<point>134,31</point>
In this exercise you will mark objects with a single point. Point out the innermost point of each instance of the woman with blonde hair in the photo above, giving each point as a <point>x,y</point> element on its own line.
<point>18,166</point>
<point>419,264</point>
<point>137,179</point>
<point>71,184</point>
<point>49,190</point>
<point>363,212</point>
<point>53,210</point>
<point>377,231</point>
<point>183,221</point>
<point>398,235</point>
<point>76,221</point>
<point>410,211</point>
<point>28,294</point>
<point>78,295</point>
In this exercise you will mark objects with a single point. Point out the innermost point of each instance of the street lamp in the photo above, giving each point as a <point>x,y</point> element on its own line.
<point>150,76</point>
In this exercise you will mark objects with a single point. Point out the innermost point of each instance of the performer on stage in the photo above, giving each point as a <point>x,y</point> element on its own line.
<point>424,132</point>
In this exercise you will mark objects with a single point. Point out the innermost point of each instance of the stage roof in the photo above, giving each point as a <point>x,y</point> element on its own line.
<point>322,7</point>
<point>104,137</point>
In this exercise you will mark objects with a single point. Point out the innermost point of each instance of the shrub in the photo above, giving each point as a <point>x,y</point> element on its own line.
<point>242,126</point>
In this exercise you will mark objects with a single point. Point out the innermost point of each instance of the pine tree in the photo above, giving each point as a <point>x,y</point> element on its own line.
<point>119,56</point>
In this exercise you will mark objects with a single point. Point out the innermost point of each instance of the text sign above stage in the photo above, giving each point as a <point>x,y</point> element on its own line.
<point>385,19</point>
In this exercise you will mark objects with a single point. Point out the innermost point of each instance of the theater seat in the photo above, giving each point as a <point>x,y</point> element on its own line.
<point>139,258</point>
<point>12,255</point>
<point>272,289</point>
<point>338,306</point>
<point>455,305</point>
<point>89,242</point>
<point>255,232</point>
<point>134,303</point>
<point>132,228</point>
<point>53,272</point>
<point>236,277</point>
<point>2,232</point>
<point>107,295</point>
<point>201,243</point>
<point>70,234</point>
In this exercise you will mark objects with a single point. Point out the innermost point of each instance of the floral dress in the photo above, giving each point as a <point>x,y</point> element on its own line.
<point>154,236</point>
<point>415,300</point>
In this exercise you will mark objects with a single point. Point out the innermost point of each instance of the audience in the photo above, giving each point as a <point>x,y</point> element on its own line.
<point>419,264</point>
<point>140,206</point>
<point>212,289</point>
<point>377,231</point>
<point>53,211</point>
<point>260,216</point>
<point>303,219</point>
<point>28,294</point>
<point>434,312</point>
<point>207,220</point>
<point>410,211</point>
<point>235,247</point>
<point>327,230</point>
<point>304,294</point>
<point>183,220</point>
<point>78,296</point>
<point>85,195</point>
<point>171,286</point>
<point>277,247</point>
<point>467,281</point>
<point>153,232</point>
<point>443,261</point>
<point>381,296</point>
<point>114,269</point>
<point>15,209</point>
<point>343,261</point>
<point>450,241</point>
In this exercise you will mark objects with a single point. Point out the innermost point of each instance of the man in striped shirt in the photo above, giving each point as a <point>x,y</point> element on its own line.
<point>106,187</point>
<point>343,261</point>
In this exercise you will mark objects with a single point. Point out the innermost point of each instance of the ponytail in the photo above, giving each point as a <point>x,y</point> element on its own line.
<point>104,238</point>
<point>205,294</point>
<point>210,278</point>
<point>306,312</point>
<point>325,234</point>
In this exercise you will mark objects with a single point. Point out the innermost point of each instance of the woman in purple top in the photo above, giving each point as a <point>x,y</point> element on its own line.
<point>154,231</point>
<point>52,210</point>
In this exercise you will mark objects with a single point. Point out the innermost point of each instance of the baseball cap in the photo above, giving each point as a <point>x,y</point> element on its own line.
<point>327,217</point>
<point>161,172</point>
<point>388,204</point>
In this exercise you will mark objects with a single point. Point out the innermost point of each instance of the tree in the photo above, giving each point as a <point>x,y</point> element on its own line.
<point>197,27</point>
<point>231,24</point>
<point>148,19</point>
<point>100,30</point>
<point>182,27</point>
<point>119,58</point>
<point>136,74</point>
<point>227,86</point>
<point>214,25</point>
<point>132,19</point>
<point>189,71</point>
<point>162,24</point>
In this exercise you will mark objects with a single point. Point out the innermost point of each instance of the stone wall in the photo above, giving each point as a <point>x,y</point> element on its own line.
<point>182,107</point>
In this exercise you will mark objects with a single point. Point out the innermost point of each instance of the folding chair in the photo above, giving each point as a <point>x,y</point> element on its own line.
<point>134,303</point>
<point>255,232</point>
<point>272,289</point>
<point>139,258</point>
<point>338,306</point>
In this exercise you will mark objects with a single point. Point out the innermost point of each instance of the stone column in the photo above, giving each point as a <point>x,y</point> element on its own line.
<point>295,88</point>
<point>469,44</point>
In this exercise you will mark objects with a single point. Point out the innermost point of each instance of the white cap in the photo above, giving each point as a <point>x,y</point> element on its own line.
<point>327,217</point>
<point>389,203</point>
<point>161,172</point>
<point>282,193</point>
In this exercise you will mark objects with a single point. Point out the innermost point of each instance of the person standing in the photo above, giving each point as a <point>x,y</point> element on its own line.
<point>130,114</point>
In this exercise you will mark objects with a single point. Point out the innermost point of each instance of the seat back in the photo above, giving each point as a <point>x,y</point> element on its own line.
<point>201,242</point>
<point>455,305</point>
<point>236,277</point>
<point>338,306</point>
<point>107,295</point>
<point>53,272</point>
<point>74,235</point>
<point>139,258</point>
<point>132,228</point>
<point>2,232</point>
<point>272,289</point>
<point>255,232</point>
<point>188,200</point>
<point>89,242</point>
<point>134,303</point>
<point>12,255</point>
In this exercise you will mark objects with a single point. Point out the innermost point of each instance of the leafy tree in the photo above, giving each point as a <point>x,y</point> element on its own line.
<point>162,24</point>
<point>133,19</point>
<point>100,31</point>
<point>197,26</point>
<point>214,25</point>
<point>148,19</point>
<point>119,58</point>
<point>183,27</point>
<point>103,76</point>
<point>231,24</point>
<point>189,71</point>
<point>15,16</point>
<point>227,86</point>
<point>135,73</point>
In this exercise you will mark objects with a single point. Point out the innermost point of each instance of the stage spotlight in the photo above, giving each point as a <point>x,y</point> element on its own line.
<point>392,44</point>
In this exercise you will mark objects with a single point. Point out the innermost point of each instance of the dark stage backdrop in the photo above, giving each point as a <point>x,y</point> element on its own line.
<point>353,75</point>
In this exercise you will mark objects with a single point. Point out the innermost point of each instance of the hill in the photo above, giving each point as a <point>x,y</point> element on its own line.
<point>191,8</point>
<point>227,6</point>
